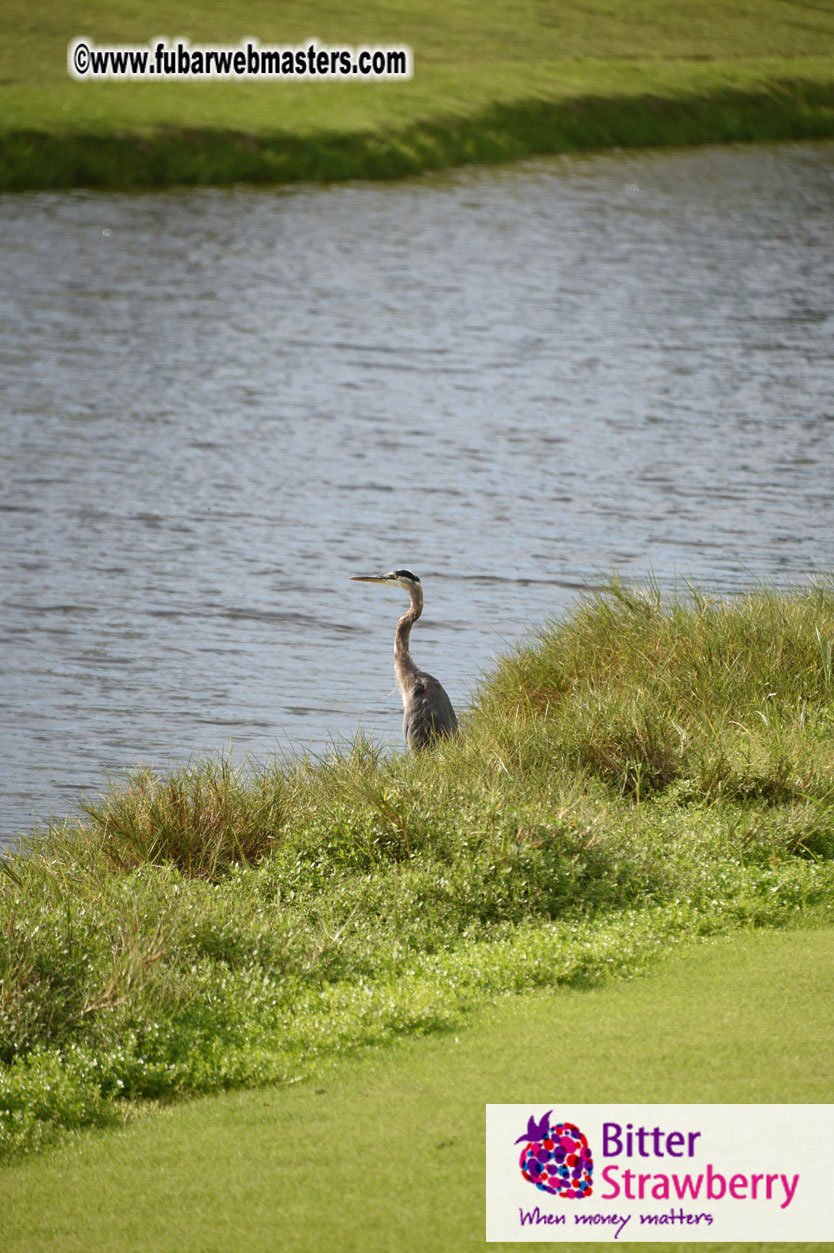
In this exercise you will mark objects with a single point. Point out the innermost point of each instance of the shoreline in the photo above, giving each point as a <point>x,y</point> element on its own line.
<point>674,104</point>
<point>640,774</point>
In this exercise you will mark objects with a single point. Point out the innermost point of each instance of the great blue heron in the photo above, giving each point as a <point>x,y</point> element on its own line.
<point>427,711</point>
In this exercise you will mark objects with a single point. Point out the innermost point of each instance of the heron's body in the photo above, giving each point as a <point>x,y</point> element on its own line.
<point>427,711</point>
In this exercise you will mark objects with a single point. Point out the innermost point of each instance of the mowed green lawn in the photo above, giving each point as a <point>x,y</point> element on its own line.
<point>483,73</point>
<point>384,1151</point>
<point>466,55</point>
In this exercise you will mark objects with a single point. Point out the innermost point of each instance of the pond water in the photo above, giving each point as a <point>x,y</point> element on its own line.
<point>219,404</point>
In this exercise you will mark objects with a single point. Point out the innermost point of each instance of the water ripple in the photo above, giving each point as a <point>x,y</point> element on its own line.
<point>513,381</point>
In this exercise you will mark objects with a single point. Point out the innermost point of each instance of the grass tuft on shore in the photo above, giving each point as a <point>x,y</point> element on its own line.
<point>646,771</point>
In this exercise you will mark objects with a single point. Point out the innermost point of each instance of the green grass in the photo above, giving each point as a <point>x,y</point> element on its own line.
<point>643,773</point>
<point>719,1023</point>
<point>492,82</point>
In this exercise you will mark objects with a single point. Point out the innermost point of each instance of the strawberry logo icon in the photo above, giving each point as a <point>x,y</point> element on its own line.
<point>556,1158</point>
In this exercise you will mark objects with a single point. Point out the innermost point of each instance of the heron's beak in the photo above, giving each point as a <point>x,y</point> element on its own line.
<point>369,578</point>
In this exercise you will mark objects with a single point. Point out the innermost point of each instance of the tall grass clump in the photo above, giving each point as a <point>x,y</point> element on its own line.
<point>201,819</point>
<point>732,696</point>
<point>643,771</point>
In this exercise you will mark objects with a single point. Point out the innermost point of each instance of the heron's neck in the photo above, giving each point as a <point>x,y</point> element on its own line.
<point>403,663</point>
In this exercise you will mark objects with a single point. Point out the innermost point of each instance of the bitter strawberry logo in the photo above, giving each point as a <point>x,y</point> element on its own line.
<point>556,1157</point>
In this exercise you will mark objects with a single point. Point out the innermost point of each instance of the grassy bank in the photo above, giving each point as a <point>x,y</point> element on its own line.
<point>406,1169</point>
<point>643,773</point>
<point>490,84</point>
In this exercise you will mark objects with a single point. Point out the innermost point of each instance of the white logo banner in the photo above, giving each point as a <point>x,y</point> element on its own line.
<point>672,1173</point>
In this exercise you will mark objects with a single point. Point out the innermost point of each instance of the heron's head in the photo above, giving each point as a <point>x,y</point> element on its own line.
<point>394,578</point>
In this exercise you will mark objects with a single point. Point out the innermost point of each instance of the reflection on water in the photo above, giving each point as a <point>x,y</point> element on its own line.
<point>219,404</point>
